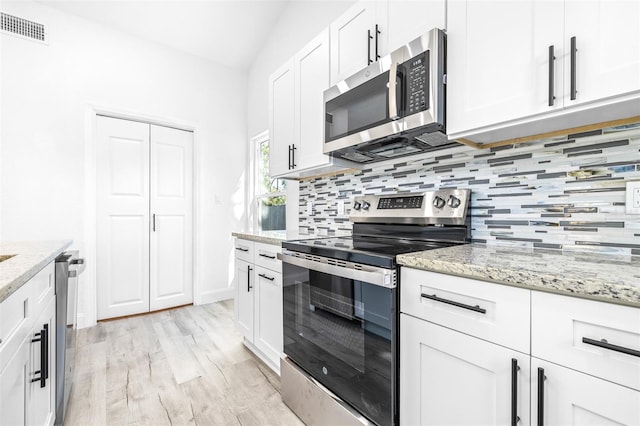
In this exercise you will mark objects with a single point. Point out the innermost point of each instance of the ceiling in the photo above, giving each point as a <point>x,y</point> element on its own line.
<point>223,31</point>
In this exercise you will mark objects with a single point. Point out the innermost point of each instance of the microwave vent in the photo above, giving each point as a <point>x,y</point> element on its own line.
<point>21,27</point>
<point>433,139</point>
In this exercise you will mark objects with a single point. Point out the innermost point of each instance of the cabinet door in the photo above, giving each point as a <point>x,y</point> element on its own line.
<point>573,398</point>
<point>498,68</point>
<point>268,320</point>
<point>351,47</point>
<point>42,400</point>
<point>407,20</point>
<point>14,387</point>
<point>281,123</point>
<point>447,377</point>
<point>608,48</point>
<point>311,80</point>
<point>244,281</point>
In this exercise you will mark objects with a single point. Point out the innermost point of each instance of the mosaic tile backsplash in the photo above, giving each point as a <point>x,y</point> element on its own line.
<point>564,192</point>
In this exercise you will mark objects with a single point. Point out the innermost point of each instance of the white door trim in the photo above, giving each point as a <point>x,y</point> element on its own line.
<point>87,301</point>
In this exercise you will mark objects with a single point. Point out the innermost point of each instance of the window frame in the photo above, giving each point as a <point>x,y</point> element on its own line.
<point>255,184</point>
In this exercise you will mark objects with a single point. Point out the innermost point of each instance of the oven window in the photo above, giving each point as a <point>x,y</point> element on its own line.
<point>341,332</point>
<point>362,107</point>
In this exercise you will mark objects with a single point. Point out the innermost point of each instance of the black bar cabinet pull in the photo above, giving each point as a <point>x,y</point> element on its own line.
<point>267,256</point>
<point>293,156</point>
<point>552,59</point>
<point>514,392</point>
<point>242,249</point>
<point>476,308</point>
<point>541,379</point>
<point>249,269</point>
<point>266,277</point>
<point>45,364</point>
<point>369,38</point>
<point>289,157</point>
<point>43,338</point>
<point>573,68</point>
<point>154,222</point>
<point>377,34</point>
<point>606,345</point>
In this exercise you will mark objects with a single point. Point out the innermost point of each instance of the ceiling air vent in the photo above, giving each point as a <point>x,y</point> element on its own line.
<point>21,27</point>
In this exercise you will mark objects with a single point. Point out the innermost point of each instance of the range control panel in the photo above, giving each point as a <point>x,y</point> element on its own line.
<point>445,206</point>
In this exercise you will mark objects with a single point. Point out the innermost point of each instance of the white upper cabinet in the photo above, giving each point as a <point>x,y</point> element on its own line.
<point>408,20</point>
<point>354,40</point>
<point>607,57</point>
<point>296,113</point>
<point>311,69</point>
<point>371,29</point>
<point>510,66</point>
<point>497,68</point>
<point>281,125</point>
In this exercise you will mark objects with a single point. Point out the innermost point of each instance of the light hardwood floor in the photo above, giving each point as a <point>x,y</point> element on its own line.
<point>185,366</point>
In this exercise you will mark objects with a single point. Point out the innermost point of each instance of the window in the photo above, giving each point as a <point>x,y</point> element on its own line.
<point>269,194</point>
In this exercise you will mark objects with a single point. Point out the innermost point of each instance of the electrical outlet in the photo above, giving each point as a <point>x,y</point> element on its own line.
<point>309,208</point>
<point>633,197</point>
<point>340,207</point>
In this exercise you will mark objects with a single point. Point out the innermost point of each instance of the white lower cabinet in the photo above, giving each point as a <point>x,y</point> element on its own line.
<point>458,340</point>
<point>258,304</point>
<point>569,397</point>
<point>27,353</point>
<point>268,313</point>
<point>450,378</point>
<point>244,305</point>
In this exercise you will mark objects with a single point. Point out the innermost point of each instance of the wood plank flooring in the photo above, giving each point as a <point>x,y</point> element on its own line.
<point>185,366</point>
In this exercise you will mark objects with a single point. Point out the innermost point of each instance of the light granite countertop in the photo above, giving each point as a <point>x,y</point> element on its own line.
<point>30,257</point>
<point>273,237</point>
<point>608,278</point>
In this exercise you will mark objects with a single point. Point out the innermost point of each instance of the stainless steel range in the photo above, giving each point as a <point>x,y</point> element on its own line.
<point>341,307</point>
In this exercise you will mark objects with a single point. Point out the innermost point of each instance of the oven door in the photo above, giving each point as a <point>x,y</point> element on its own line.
<point>340,326</point>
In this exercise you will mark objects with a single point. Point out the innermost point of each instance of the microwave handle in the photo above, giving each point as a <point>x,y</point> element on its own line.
<point>393,87</point>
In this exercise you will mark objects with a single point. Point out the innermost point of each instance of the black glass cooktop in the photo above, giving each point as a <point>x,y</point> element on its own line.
<point>368,250</point>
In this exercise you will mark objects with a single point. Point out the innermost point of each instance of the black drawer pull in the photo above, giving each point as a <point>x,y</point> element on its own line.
<point>476,308</point>
<point>242,249</point>
<point>267,256</point>
<point>606,345</point>
<point>266,277</point>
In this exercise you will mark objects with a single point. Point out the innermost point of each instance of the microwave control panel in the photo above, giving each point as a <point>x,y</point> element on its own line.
<point>417,78</point>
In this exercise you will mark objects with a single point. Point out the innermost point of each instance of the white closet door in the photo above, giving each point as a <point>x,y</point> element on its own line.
<point>122,149</point>
<point>172,211</point>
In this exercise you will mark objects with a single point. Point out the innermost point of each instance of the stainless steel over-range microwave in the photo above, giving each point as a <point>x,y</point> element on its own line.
<point>393,108</point>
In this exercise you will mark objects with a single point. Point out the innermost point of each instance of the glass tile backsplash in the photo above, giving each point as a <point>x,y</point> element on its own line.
<point>564,192</point>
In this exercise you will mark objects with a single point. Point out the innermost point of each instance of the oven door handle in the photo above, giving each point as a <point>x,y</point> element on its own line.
<point>370,274</point>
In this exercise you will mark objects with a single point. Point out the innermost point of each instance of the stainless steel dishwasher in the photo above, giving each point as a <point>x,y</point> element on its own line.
<point>68,267</point>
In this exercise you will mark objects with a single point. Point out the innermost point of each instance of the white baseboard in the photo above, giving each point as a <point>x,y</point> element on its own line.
<point>216,296</point>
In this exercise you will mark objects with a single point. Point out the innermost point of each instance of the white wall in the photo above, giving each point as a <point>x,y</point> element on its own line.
<point>46,93</point>
<point>299,23</point>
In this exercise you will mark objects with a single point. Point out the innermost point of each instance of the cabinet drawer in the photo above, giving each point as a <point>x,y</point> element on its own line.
<point>577,333</point>
<point>42,287</point>
<point>266,256</point>
<point>244,250</point>
<point>493,312</point>
<point>15,323</point>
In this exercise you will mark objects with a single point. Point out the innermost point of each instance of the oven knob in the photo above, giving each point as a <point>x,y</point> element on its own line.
<point>453,201</point>
<point>365,205</point>
<point>438,202</point>
<point>357,205</point>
